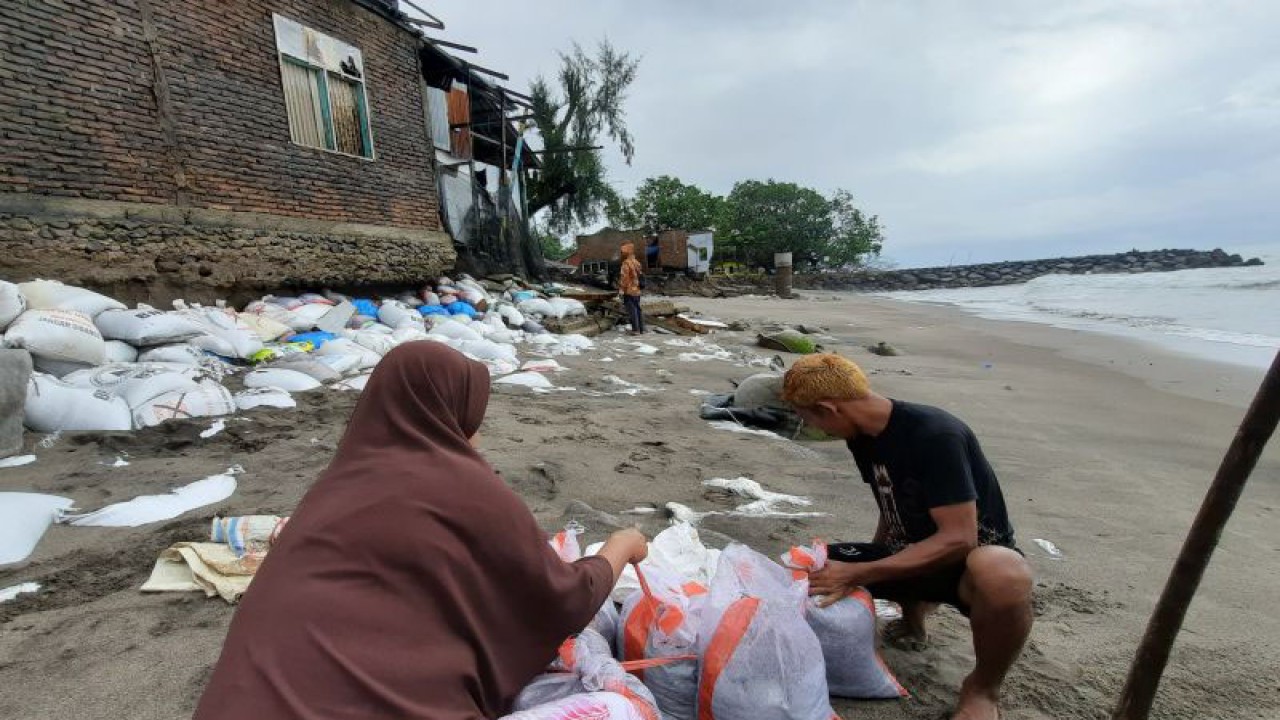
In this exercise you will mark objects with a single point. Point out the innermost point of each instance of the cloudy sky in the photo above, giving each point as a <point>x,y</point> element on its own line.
<point>976,130</point>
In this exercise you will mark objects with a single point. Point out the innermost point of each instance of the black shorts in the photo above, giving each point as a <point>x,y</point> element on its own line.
<point>938,586</point>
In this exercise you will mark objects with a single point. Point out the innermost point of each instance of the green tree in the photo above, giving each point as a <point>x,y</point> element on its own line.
<point>666,203</point>
<point>553,247</point>
<point>763,218</point>
<point>572,184</point>
<point>855,235</point>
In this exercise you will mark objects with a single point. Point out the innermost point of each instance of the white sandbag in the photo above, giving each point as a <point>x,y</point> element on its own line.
<point>146,326</point>
<point>455,330</point>
<point>264,397</point>
<point>846,630</point>
<point>760,658</point>
<point>488,350</point>
<point>365,358</point>
<point>356,383</point>
<point>533,380</point>
<point>514,317</point>
<point>183,353</point>
<point>224,334</point>
<point>584,706</point>
<point>396,315</point>
<point>375,341</point>
<point>53,295</point>
<point>120,352</point>
<point>24,517</point>
<point>290,380</point>
<point>309,366</point>
<point>409,333</point>
<point>53,405</point>
<point>208,399</point>
<point>304,318</point>
<point>537,306</point>
<point>138,382</point>
<point>567,307</point>
<point>12,303</point>
<point>263,326</point>
<point>67,335</point>
<point>154,508</point>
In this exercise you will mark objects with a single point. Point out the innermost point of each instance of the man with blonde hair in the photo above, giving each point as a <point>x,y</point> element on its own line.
<point>944,535</point>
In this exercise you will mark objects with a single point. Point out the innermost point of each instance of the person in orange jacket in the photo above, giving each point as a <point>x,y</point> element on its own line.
<point>629,287</point>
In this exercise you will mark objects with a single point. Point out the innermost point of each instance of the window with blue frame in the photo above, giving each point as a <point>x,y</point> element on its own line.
<point>324,90</point>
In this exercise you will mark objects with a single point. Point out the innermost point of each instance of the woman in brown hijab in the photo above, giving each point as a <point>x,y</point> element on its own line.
<point>411,582</point>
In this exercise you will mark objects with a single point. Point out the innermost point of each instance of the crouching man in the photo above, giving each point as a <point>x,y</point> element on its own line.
<point>944,535</point>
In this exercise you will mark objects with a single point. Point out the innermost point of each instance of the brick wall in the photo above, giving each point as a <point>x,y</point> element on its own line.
<point>81,118</point>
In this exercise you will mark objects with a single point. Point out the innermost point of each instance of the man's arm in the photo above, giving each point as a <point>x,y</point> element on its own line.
<point>957,535</point>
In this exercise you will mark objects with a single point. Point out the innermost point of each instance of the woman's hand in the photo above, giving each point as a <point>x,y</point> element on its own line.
<point>635,541</point>
<point>624,547</point>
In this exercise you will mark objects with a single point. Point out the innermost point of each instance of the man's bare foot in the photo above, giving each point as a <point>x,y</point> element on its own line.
<point>906,635</point>
<point>976,704</point>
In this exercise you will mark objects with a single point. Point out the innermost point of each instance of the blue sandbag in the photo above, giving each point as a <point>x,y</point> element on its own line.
<point>317,338</point>
<point>461,308</point>
<point>433,310</point>
<point>365,306</point>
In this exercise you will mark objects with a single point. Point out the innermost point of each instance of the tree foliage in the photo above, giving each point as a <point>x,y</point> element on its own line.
<point>760,219</point>
<point>666,203</point>
<point>587,106</point>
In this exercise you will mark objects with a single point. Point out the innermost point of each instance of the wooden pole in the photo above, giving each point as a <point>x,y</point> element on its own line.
<point>1153,653</point>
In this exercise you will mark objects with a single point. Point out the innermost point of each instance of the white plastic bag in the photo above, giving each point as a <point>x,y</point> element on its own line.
<point>306,317</point>
<point>760,658</point>
<point>586,664</point>
<point>676,551</point>
<point>514,317</point>
<point>289,380</point>
<point>12,303</point>
<point>661,622</point>
<point>66,335</point>
<point>364,358</point>
<point>265,326</point>
<point>846,631</point>
<point>146,326</point>
<point>53,405</point>
<point>532,380</point>
<point>53,295</point>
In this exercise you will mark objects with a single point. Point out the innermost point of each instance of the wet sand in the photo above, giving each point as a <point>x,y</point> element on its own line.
<point>1103,446</point>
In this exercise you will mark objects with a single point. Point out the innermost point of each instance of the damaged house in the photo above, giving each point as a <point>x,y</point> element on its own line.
<point>156,150</point>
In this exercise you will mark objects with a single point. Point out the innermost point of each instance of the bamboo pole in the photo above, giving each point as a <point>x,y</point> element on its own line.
<point>1166,621</point>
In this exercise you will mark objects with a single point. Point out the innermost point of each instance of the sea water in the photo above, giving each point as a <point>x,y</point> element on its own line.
<point>1224,314</point>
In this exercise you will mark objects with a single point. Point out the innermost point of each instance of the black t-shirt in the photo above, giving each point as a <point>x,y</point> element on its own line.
<point>927,458</point>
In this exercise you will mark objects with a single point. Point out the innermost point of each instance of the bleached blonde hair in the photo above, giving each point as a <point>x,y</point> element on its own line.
<point>824,376</point>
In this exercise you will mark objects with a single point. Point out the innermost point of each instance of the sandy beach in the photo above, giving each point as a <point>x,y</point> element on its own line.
<point>1103,447</point>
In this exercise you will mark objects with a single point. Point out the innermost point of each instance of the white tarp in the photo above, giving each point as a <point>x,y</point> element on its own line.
<point>153,508</point>
<point>23,519</point>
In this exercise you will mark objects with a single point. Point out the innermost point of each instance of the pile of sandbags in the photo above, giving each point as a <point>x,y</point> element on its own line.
<point>161,364</point>
<point>713,635</point>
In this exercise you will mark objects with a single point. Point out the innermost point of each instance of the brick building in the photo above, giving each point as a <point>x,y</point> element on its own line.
<point>198,149</point>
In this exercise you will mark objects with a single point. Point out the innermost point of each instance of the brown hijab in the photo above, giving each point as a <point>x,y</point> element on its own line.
<point>410,582</point>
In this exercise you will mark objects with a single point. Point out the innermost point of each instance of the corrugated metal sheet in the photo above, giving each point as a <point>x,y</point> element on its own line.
<point>438,105</point>
<point>460,114</point>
